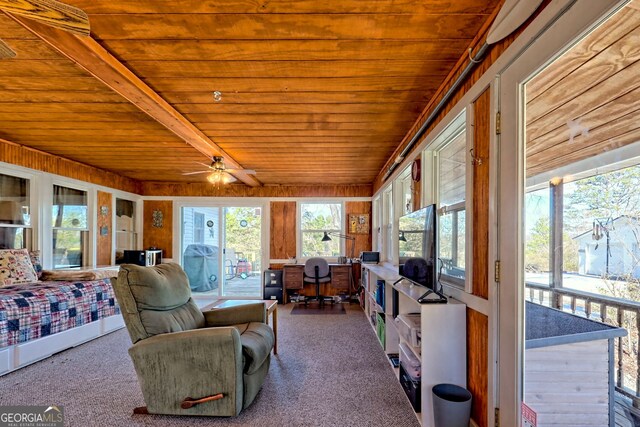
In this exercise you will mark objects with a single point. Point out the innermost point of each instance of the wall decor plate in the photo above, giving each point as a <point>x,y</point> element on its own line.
<point>157,218</point>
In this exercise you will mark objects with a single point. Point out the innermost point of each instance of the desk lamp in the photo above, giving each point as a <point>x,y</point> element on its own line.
<point>326,238</point>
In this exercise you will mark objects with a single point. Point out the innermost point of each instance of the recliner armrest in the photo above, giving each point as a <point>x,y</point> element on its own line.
<point>194,363</point>
<point>235,315</point>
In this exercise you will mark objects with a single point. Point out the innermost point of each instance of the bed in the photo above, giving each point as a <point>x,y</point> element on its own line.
<point>44,317</point>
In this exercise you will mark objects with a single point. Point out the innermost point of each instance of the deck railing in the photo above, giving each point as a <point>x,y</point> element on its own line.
<point>613,311</point>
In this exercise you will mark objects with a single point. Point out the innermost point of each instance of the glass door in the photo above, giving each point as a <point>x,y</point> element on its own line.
<point>222,251</point>
<point>242,252</point>
<point>201,249</point>
<point>569,160</point>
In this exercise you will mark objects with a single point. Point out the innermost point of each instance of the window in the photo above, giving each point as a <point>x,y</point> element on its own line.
<point>406,191</point>
<point>450,158</point>
<point>198,227</point>
<point>315,220</point>
<point>387,224</point>
<point>126,236</point>
<point>15,217</point>
<point>70,228</point>
<point>377,225</point>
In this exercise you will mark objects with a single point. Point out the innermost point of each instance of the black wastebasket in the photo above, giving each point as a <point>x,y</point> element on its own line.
<point>451,406</point>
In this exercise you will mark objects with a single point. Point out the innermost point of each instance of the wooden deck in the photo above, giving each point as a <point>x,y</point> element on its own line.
<point>239,287</point>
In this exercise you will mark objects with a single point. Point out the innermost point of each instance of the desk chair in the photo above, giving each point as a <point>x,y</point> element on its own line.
<point>316,270</point>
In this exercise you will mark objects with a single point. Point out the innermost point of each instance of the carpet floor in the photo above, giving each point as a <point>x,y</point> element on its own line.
<point>315,308</point>
<point>330,371</point>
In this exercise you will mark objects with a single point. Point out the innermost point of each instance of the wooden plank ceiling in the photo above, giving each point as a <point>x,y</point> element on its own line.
<point>312,92</point>
<point>588,100</point>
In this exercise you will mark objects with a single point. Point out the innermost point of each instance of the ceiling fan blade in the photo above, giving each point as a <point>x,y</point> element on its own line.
<point>50,12</point>
<point>204,164</point>
<point>6,51</point>
<point>230,179</point>
<point>195,173</point>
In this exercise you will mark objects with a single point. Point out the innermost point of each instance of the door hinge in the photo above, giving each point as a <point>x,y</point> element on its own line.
<point>498,123</point>
<point>497,417</point>
<point>497,271</point>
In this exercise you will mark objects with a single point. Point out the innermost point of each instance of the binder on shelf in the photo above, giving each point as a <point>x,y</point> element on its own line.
<point>380,293</point>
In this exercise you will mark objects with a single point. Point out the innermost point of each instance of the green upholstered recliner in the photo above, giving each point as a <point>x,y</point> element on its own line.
<point>179,352</point>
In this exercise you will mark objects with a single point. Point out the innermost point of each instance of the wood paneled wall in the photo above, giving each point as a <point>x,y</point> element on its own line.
<point>207,190</point>
<point>492,55</point>
<point>104,242</point>
<point>39,160</point>
<point>477,364</point>
<point>480,171</point>
<point>159,237</point>
<point>363,241</point>
<point>283,230</point>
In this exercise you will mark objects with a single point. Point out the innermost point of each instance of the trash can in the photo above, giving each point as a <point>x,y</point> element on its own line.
<point>451,406</point>
<point>201,265</point>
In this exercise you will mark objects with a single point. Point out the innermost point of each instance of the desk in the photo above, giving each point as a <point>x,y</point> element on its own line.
<point>271,306</point>
<point>342,278</point>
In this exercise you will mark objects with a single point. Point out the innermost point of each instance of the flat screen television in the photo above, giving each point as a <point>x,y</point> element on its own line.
<point>417,246</point>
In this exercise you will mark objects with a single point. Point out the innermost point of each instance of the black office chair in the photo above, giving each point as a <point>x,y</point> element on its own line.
<point>316,270</point>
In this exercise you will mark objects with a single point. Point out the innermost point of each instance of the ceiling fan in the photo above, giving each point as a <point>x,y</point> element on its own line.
<point>218,172</point>
<point>49,12</point>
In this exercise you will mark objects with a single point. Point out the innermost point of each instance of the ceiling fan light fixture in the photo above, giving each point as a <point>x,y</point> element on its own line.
<point>216,177</point>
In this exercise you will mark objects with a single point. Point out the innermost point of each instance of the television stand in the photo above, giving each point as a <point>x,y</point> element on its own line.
<point>443,331</point>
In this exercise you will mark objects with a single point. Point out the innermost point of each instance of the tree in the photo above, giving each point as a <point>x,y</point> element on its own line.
<point>243,233</point>
<point>317,218</point>
<point>601,200</point>
<point>536,253</point>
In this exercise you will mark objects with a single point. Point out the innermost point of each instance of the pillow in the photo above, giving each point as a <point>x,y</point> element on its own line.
<point>16,267</point>
<point>36,261</point>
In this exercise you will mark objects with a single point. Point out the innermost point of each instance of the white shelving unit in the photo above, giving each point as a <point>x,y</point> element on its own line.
<point>442,351</point>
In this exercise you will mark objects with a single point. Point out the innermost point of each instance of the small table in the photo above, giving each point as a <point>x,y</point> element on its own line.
<point>271,306</point>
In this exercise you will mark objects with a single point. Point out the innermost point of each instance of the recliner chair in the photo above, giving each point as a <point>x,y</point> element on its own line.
<point>189,362</point>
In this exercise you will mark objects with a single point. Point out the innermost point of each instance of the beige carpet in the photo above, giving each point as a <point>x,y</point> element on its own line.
<point>331,371</point>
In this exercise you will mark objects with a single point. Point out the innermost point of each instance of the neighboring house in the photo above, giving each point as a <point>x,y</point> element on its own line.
<point>195,226</point>
<point>620,257</point>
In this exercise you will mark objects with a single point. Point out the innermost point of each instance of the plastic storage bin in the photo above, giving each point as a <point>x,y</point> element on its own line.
<point>411,389</point>
<point>409,328</point>
<point>410,362</point>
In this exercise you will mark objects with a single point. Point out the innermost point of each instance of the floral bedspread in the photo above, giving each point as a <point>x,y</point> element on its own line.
<point>35,310</point>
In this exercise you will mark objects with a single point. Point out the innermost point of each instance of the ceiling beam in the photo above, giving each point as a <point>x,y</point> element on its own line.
<point>97,61</point>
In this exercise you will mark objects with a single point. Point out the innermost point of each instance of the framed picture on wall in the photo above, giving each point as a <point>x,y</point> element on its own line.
<point>359,223</point>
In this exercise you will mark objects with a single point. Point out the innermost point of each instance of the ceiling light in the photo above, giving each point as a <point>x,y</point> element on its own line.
<point>217,96</point>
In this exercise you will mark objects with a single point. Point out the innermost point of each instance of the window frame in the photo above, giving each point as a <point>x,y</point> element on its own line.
<point>132,234</point>
<point>300,232</point>
<point>198,227</point>
<point>386,225</point>
<point>29,231</point>
<point>87,236</point>
<point>462,122</point>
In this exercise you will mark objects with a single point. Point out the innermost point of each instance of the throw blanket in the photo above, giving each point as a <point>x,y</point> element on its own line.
<point>73,275</point>
<point>34,310</point>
